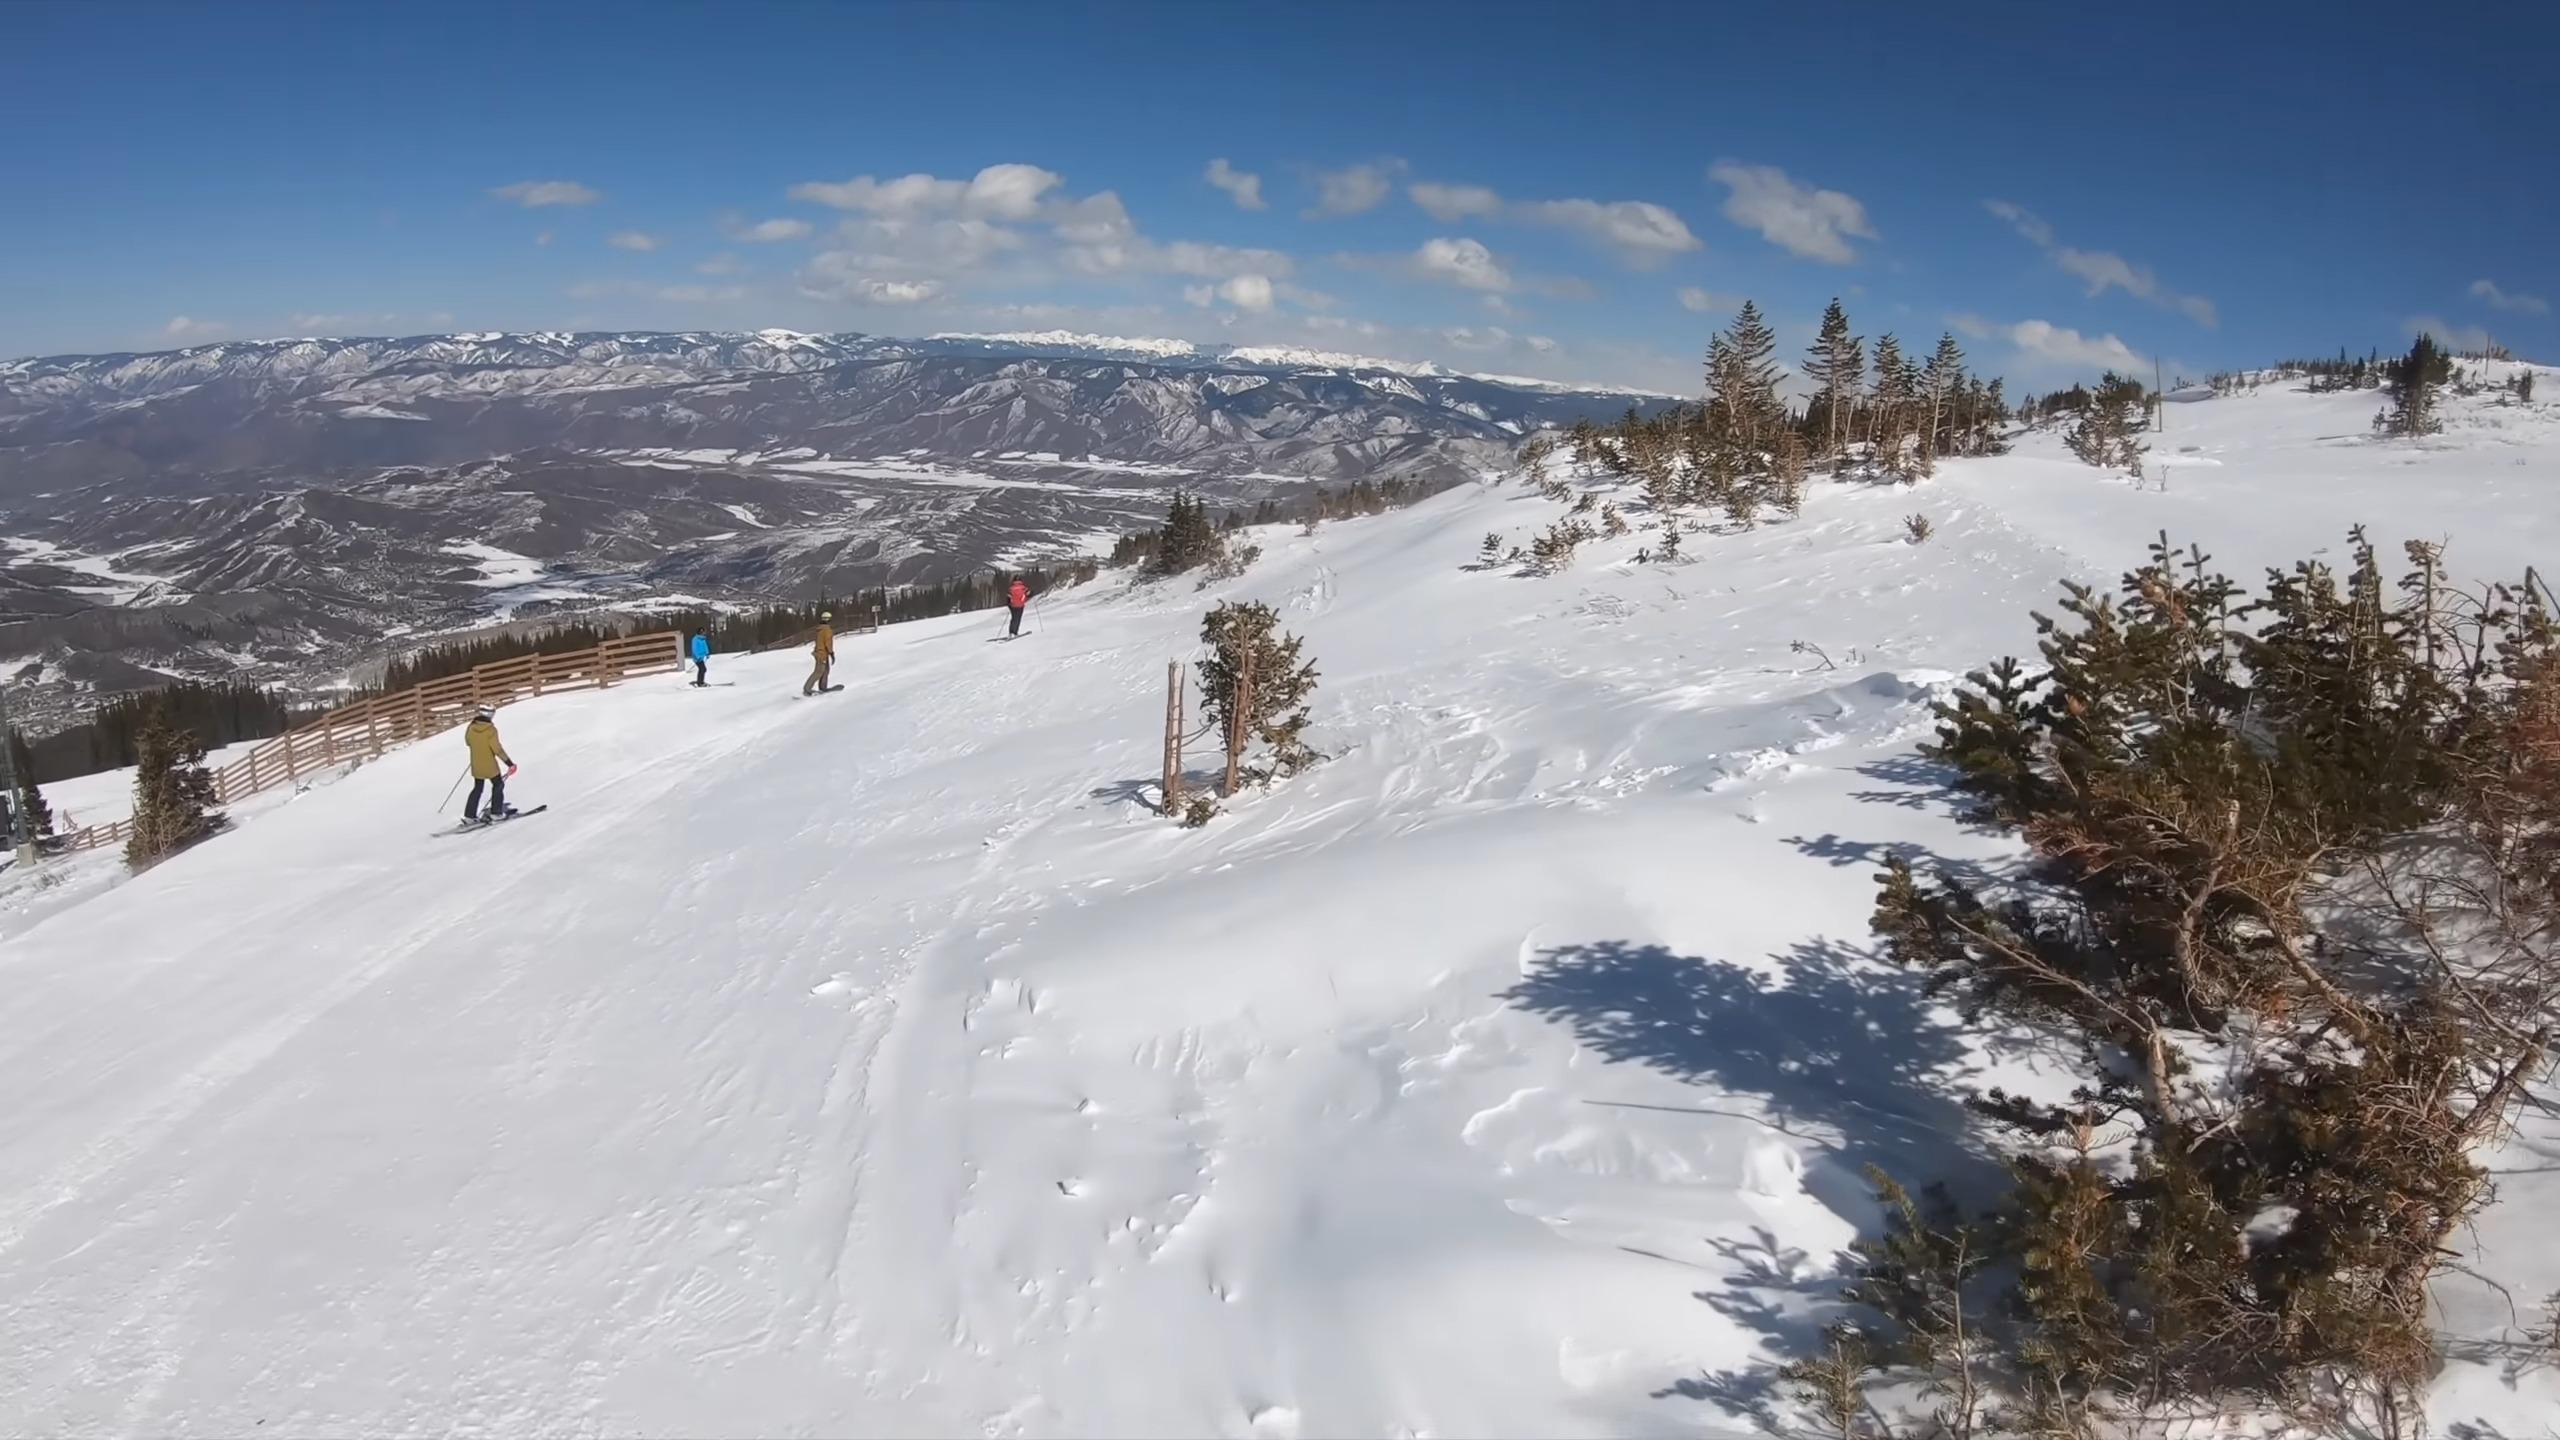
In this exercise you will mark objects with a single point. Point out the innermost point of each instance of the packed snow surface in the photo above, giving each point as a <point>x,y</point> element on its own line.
<point>877,1063</point>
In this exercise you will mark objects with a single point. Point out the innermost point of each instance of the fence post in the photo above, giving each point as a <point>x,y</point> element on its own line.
<point>1173,737</point>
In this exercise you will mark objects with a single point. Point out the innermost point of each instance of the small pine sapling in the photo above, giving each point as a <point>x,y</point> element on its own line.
<point>1917,528</point>
<point>1255,688</point>
<point>1612,523</point>
<point>173,802</point>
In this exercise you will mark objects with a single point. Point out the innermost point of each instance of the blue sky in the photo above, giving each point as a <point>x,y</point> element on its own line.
<point>1574,191</point>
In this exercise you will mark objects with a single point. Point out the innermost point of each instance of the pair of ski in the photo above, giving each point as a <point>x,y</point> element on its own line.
<point>469,826</point>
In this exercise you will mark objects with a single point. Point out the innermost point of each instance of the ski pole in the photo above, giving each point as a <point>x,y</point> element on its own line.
<point>457,784</point>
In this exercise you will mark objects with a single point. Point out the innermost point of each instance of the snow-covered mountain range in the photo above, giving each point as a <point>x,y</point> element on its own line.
<point>275,503</point>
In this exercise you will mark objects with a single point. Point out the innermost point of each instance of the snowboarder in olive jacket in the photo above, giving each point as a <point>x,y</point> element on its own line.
<point>487,754</point>
<point>822,653</point>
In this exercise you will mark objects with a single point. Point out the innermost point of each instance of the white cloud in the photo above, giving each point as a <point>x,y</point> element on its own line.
<point>766,231</point>
<point>188,327</point>
<point>1008,192</point>
<point>1016,220</point>
<point>941,247</point>
<point>1705,301</point>
<point>639,240</point>
<point>2102,270</point>
<point>899,292</point>
<point>1497,305</point>
<point>1450,204</point>
<point>1641,231</point>
<point>2026,222</point>
<point>999,192</point>
<point>1354,189</point>
<point>1096,220</point>
<point>2063,346</point>
<point>534,194</point>
<point>2487,292</point>
<point>1243,187</point>
<point>545,237</point>
<point>722,265</point>
<point>1252,294</point>
<point>1541,344</point>
<point>1460,262</point>
<point>1816,224</point>
<point>865,252</point>
<point>2447,333</point>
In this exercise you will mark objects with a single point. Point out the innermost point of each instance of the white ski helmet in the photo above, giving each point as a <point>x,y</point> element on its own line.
<point>484,710</point>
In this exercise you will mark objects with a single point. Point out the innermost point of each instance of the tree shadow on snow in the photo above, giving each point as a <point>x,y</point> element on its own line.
<point>1844,1055</point>
<point>1144,790</point>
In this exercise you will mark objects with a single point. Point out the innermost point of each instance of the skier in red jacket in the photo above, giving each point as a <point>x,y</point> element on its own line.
<point>1014,600</point>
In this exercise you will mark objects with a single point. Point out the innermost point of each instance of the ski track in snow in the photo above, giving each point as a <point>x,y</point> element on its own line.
<point>882,1065</point>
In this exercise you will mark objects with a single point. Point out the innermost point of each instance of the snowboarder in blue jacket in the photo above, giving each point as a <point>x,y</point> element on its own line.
<point>700,649</point>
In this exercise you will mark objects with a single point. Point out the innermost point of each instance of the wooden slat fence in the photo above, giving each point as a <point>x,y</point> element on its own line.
<point>378,723</point>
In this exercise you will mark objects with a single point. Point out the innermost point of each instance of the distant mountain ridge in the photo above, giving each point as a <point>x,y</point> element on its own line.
<point>627,357</point>
<point>266,508</point>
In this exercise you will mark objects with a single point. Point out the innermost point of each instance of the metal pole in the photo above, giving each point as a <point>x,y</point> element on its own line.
<point>21,835</point>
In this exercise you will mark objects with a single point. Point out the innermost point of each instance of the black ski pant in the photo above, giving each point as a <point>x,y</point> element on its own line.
<point>497,797</point>
<point>1014,626</point>
<point>701,672</point>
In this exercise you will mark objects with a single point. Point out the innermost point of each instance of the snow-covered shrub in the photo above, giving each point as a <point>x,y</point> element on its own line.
<point>2294,916</point>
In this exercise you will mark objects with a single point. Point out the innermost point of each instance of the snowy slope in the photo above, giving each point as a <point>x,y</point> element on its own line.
<point>876,1063</point>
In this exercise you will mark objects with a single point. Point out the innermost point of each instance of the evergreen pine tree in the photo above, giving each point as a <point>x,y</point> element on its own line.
<point>1941,381</point>
<point>1751,392</point>
<point>1887,406</point>
<point>1248,645</point>
<point>1189,540</point>
<point>2108,431</point>
<point>29,801</point>
<point>2414,379</point>
<point>172,792</point>
<point>1834,366</point>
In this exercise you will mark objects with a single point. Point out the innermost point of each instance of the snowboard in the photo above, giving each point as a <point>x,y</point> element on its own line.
<point>823,690</point>
<point>468,826</point>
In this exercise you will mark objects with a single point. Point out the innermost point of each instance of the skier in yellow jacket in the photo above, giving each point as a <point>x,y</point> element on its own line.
<point>487,754</point>
<point>822,653</point>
